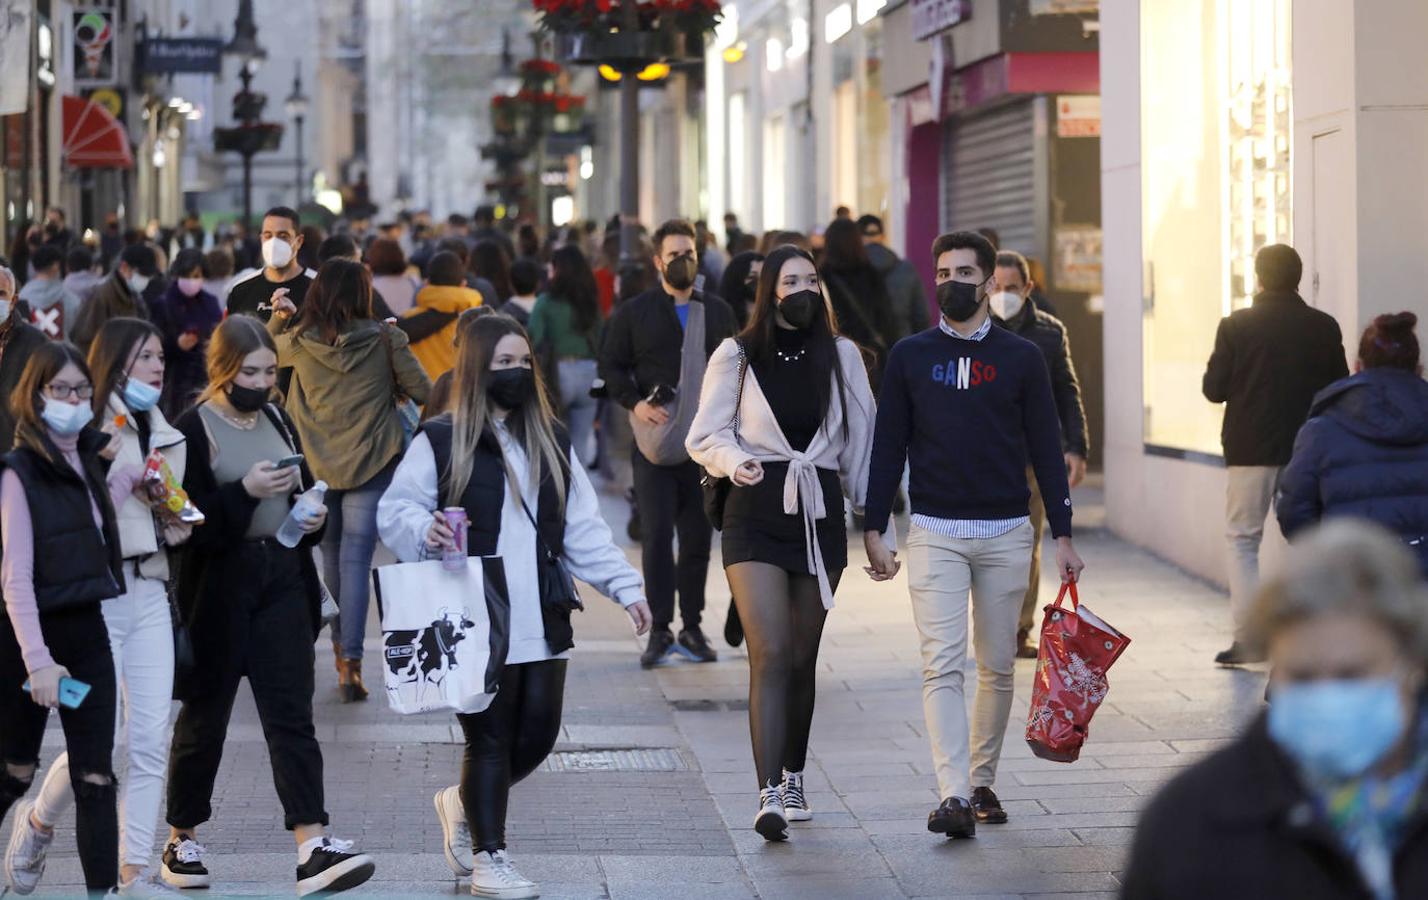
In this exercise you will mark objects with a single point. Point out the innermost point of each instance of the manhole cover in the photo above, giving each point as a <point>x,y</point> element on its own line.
<point>657,759</point>
<point>710,705</point>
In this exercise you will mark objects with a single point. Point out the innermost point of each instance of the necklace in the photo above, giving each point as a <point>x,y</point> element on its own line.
<point>237,422</point>
<point>790,356</point>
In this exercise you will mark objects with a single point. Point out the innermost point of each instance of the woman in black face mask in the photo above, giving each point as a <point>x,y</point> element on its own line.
<point>785,546</point>
<point>252,608</point>
<point>501,456</point>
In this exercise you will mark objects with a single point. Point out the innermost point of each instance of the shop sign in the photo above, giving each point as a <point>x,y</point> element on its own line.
<point>201,55</point>
<point>932,16</point>
<point>108,98</point>
<point>1078,116</point>
<point>1064,7</point>
<point>1076,265</point>
<point>95,53</point>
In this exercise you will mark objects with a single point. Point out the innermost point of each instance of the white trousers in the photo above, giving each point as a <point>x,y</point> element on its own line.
<point>142,641</point>
<point>1248,499</point>
<point>942,571</point>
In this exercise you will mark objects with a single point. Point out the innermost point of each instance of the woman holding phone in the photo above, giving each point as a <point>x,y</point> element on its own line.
<point>347,370</point>
<point>59,562</point>
<point>501,456</point>
<point>127,361</point>
<point>252,607</point>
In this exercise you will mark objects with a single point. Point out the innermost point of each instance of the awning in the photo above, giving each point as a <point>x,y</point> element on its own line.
<point>93,138</point>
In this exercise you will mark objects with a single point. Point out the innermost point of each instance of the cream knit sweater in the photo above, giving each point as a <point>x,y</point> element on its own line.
<point>712,444</point>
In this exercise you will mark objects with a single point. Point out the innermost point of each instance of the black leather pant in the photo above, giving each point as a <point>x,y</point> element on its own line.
<point>505,743</point>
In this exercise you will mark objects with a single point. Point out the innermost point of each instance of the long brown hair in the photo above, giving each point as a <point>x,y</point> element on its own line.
<point>112,353</point>
<point>758,336</point>
<point>232,341</point>
<point>45,363</point>
<point>341,293</point>
<point>472,413</point>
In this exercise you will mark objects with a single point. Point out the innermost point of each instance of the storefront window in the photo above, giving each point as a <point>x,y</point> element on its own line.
<point>1215,142</point>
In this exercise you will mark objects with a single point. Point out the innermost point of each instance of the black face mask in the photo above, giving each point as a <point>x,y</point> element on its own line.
<point>958,300</point>
<point>679,272</point>
<point>246,399</point>
<point>510,389</point>
<point>800,307</point>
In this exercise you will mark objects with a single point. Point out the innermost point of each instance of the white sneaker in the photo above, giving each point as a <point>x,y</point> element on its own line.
<point>25,855</point>
<point>145,885</point>
<point>795,804</point>
<point>494,875</point>
<point>772,821</point>
<point>456,834</point>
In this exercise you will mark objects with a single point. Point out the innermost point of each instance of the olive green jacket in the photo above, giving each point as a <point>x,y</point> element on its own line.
<point>343,397</point>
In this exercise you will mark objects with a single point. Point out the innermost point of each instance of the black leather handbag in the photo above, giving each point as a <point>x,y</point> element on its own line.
<point>716,490</point>
<point>557,585</point>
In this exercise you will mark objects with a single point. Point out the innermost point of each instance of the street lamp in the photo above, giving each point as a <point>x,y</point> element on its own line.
<point>245,47</point>
<point>297,109</point>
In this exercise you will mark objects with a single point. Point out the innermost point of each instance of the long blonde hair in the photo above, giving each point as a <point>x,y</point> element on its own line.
<point>472,414</point>
<point>231,343</point>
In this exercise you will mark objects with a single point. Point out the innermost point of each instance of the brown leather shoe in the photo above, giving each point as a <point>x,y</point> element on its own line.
<point>1025,649</point>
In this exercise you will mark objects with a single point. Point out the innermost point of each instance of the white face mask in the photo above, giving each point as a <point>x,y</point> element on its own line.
<point>277,253</point>
<point>138,282</point>
<point>4,310</point>
<point>1006,304</point>
<point>190,286</point>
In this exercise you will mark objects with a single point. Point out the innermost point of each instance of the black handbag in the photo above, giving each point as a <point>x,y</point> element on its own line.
<point>716,490</point>
<point>557,585</point>
<point>185,662</point>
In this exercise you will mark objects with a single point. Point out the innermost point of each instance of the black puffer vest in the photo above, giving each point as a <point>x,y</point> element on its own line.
<point>75,564</point>
<point>484,498</point>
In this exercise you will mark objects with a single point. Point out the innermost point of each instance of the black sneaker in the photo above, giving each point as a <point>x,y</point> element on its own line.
<point>183,864</point>
<point>333,867</point>
<point>1239,655</point>
<point>733,626</point>
<point>987,807</point>
<point>953,818</point>
<point>661,645</point>
<point>693,644</point>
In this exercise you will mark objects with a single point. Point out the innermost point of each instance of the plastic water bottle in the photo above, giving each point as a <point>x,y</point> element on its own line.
<point>306,508</point>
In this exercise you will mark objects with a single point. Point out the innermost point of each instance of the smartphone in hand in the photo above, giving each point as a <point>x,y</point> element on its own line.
<point>72,692</point>
<point>288,462</point>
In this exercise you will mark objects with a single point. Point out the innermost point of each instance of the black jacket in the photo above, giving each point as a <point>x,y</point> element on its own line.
<point>210,571</point>
<point>75,563</point>
<point>1363,452</point>
<point>642,341</point>
<point>1049,334</point>
<point>19,341</point>
<point>1269,362</point>
<point>484,498</point>
<point>1240,826</point>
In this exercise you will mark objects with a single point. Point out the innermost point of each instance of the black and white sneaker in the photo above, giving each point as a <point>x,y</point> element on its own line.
<point>183,864</point>
<point>795,804</point>
<point>772,821</point>
<point>333,867</point>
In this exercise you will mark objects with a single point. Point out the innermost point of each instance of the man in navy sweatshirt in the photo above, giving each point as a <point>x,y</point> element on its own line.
<point>968,407</point>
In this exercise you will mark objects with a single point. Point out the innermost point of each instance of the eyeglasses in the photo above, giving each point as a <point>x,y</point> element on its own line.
<point>58,391</point>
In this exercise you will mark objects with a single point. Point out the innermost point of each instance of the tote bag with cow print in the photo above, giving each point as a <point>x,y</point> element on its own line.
<point>444,634</point>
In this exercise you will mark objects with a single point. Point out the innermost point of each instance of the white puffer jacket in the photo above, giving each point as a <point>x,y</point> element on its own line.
<point>138,527</point>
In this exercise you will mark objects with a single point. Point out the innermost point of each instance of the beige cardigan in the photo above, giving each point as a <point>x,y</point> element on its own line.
<point>712,444</point>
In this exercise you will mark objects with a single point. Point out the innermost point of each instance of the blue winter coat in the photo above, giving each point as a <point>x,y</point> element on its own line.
<point>1364,453</point>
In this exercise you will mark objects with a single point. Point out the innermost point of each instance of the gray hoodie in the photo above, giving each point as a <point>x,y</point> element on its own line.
<point>53,309</point>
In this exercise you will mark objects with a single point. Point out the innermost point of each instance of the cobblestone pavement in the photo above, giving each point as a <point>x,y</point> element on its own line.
<point>680,825</point>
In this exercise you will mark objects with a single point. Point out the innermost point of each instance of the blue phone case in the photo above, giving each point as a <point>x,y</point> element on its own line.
<point>72,691</point>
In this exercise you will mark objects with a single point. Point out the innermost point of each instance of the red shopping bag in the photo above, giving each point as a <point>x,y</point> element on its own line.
<point>1077,647</point>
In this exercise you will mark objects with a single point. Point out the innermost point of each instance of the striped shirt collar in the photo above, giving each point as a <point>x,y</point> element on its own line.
<point>974,336</point>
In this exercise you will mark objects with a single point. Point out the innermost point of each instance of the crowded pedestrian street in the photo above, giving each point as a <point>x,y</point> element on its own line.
<point>713,449</point>
<point>645,795</point>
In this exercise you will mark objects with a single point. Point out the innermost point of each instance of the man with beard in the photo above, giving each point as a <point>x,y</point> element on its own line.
<point>656,347</point>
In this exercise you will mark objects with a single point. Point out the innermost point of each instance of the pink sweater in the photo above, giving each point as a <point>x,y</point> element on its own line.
<point>17,566</point>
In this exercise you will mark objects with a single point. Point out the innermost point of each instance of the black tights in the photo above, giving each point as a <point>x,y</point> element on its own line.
<point>783,617</point>
<point>505,743</point>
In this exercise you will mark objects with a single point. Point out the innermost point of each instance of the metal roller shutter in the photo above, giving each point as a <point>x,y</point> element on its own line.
<point>989,175</point>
